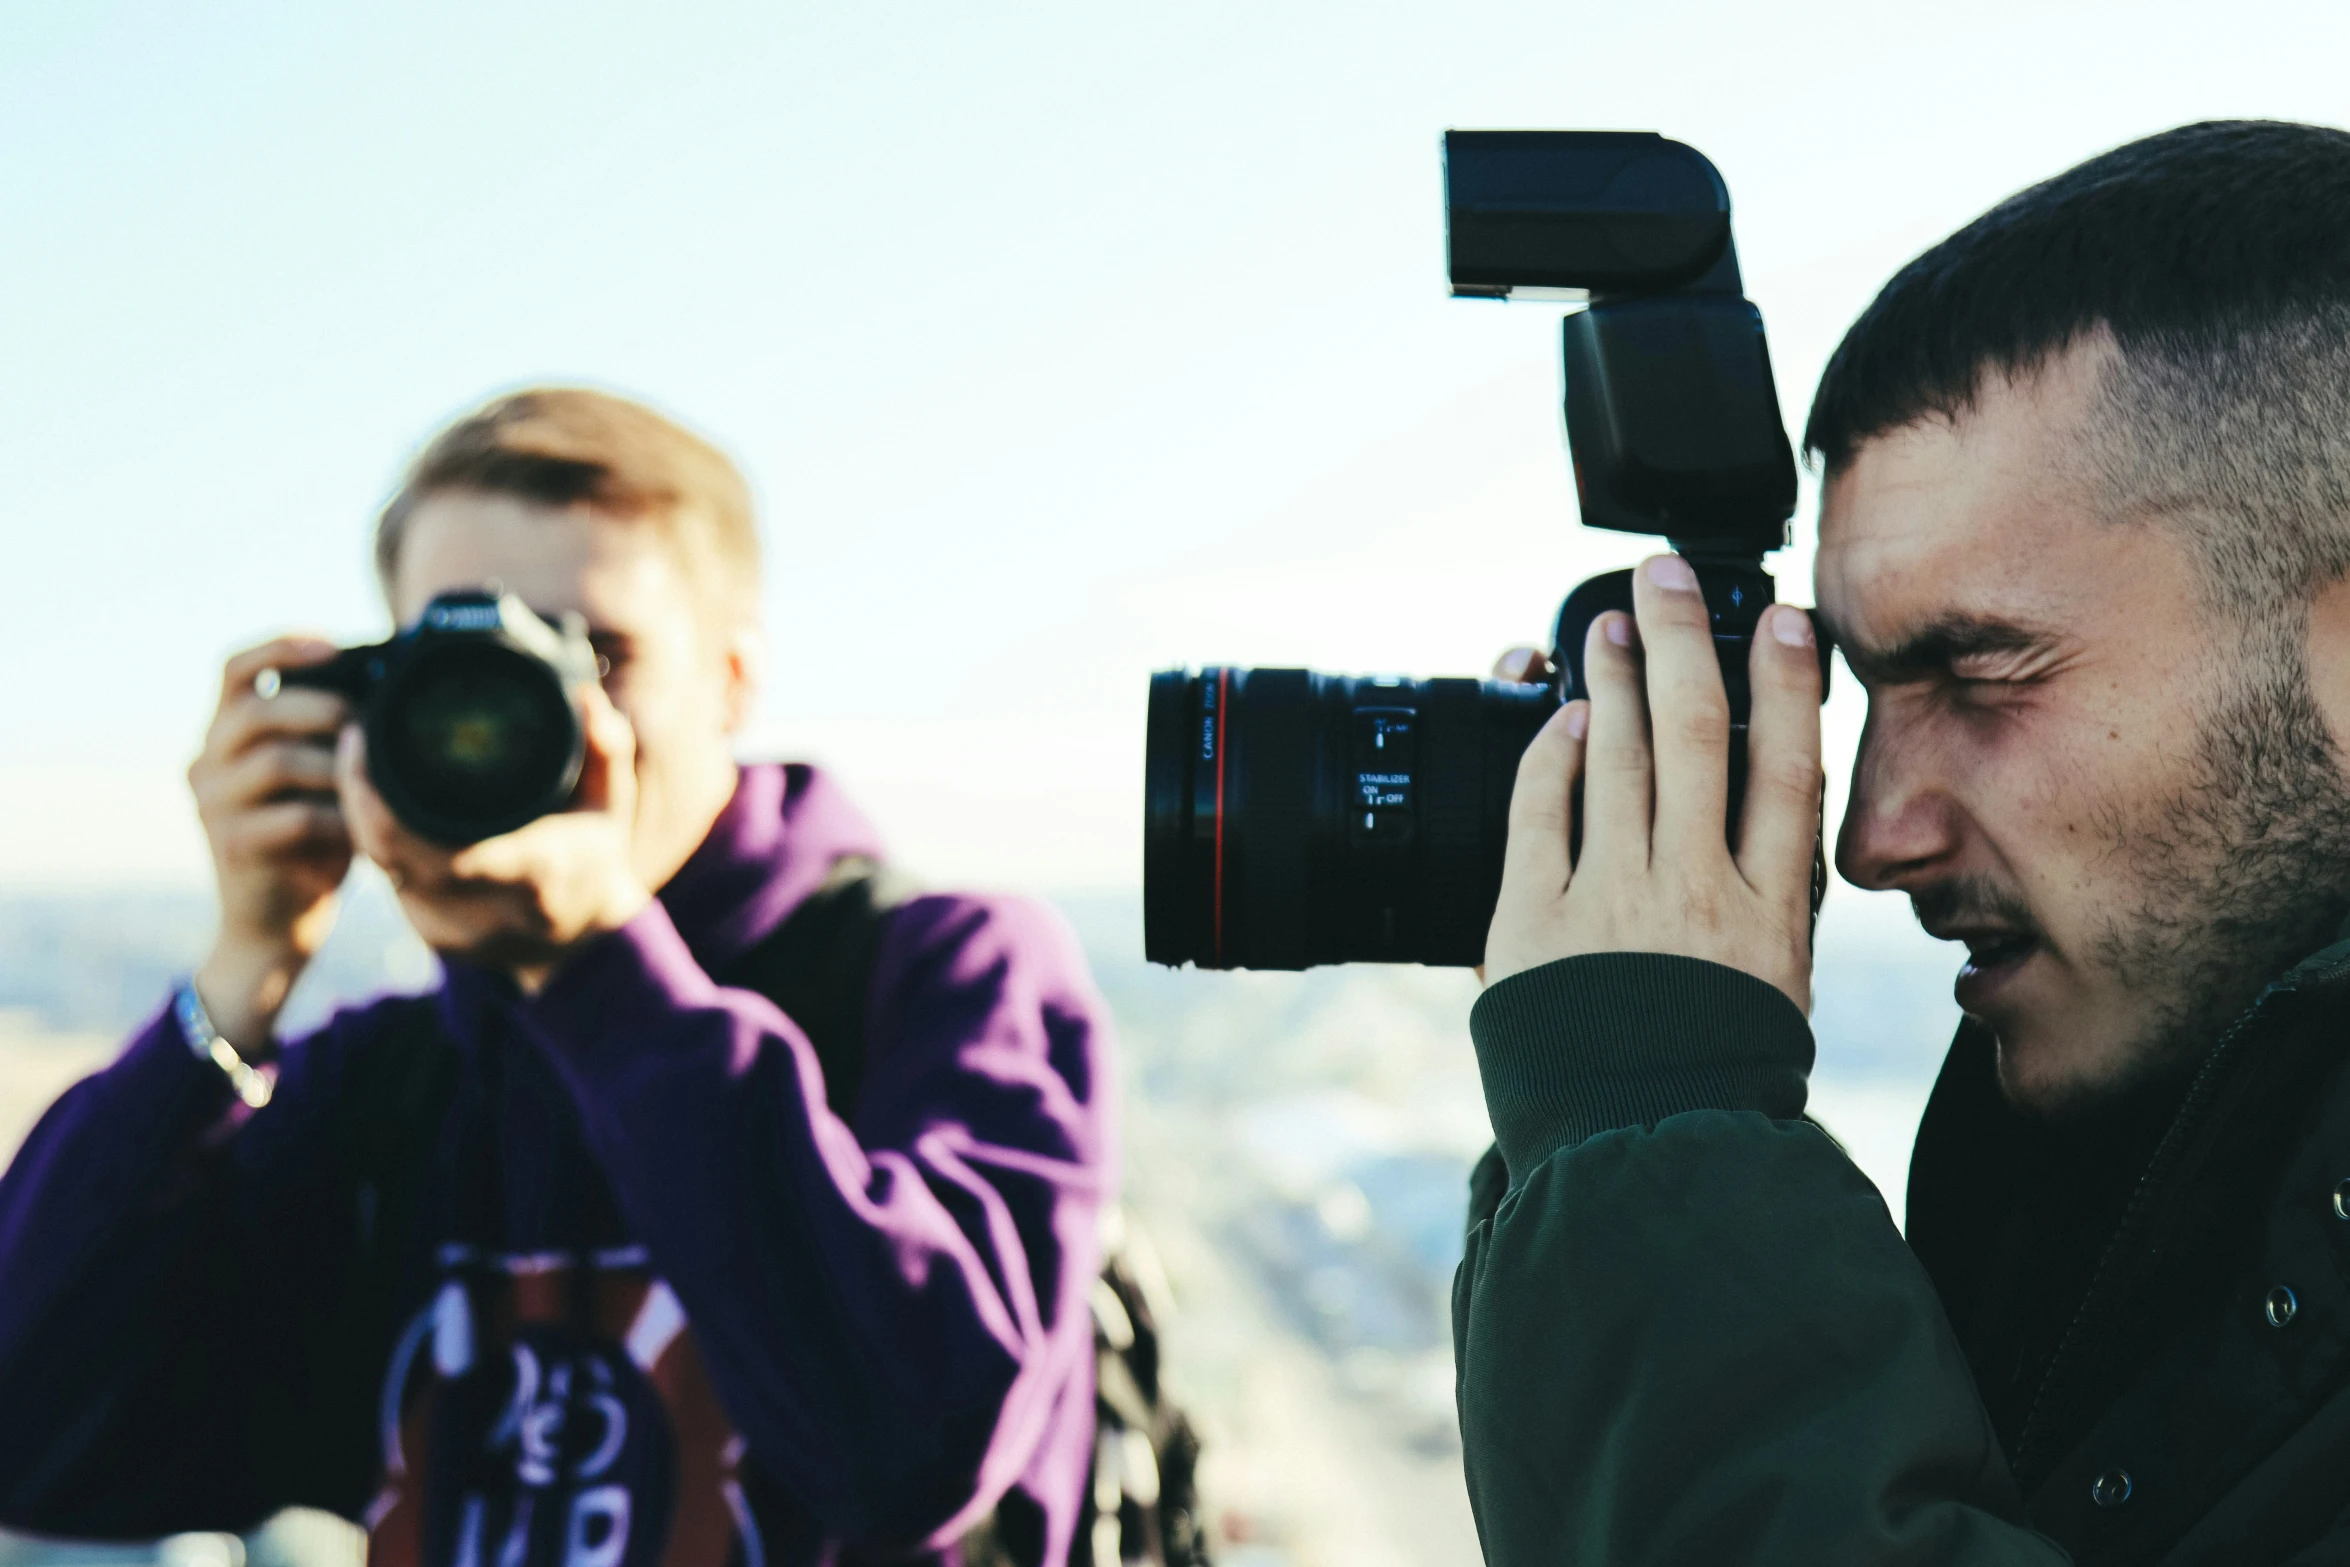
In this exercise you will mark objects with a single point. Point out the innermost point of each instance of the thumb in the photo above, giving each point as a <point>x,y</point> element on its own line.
<point>607,777</point>
<point>1524,665</point>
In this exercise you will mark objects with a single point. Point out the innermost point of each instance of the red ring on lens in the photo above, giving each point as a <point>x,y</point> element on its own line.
<point>1223,710</point>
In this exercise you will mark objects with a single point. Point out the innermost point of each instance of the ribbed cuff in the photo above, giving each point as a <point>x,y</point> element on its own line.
<point>1621,1039</point>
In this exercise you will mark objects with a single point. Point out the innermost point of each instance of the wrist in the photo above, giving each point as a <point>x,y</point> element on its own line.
<point>1606,1040</point>
<point>628,898</point>
<point>243,986</point>
<point>623,900</point>
<point>254,1085</point>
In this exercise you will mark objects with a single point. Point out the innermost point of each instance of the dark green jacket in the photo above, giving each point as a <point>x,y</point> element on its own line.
<point>1687,1330</point>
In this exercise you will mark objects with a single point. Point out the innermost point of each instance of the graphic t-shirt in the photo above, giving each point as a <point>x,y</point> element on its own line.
<point>554,1410</point>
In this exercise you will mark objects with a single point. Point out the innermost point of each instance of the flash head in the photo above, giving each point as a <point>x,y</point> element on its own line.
<point>1580,214</point>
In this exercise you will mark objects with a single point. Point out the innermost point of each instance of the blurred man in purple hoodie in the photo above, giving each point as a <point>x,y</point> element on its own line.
<point>591,1258</point>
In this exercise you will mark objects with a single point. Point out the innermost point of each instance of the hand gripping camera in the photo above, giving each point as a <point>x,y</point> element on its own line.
<point>1295,818</point>
<point>472,714</point>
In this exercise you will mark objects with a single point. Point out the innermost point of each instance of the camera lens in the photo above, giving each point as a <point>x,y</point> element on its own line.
<point>473,738</point>
<point>1296,818</point>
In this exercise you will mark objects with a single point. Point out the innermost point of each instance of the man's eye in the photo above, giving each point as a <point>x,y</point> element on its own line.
<point>1983,692</point>
<point>2002,670</point>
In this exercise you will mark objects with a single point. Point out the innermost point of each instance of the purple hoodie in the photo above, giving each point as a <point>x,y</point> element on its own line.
<point>661,1305</point>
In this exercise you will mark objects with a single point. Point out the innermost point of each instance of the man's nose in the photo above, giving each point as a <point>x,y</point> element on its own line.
<point>1900,826</point>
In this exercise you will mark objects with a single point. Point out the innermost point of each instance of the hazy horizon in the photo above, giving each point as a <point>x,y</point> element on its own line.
<point>1058,346</point>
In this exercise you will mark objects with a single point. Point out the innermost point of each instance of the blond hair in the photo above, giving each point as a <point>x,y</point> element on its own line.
<point>569,447</point>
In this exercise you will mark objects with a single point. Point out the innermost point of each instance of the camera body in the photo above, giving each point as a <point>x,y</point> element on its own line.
<point>472,714</point>
<point>1294,818</point>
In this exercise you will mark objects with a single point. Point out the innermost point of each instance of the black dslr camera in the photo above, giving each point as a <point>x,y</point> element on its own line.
<point>472,714</point>
<point>1295,818</point>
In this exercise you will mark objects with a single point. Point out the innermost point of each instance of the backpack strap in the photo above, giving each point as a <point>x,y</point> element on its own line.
<point>390,1111</point>
<point>396,1090</point>
<point>817,967</point>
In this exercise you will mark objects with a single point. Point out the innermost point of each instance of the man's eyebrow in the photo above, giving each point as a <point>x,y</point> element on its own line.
<point>1939,644</point>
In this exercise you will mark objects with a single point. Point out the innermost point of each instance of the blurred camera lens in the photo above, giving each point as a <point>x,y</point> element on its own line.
<point>472,714</point>
<point>474,738</point>
<point>1295,818</point>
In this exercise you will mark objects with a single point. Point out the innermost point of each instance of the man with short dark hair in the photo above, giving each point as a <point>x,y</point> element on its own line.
<point>728,1203</point>
<point>2085,540</point>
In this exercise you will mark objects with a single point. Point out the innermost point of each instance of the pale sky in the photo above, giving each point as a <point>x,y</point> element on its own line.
<point>1060,342</point>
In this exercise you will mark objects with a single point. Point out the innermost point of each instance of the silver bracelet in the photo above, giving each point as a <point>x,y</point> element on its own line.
<point>251,1086</point>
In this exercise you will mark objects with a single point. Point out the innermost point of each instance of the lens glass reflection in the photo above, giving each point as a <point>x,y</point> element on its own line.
<point>484,729</point>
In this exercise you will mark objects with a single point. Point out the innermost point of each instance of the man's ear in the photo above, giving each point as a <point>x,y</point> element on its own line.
<point>745,652</point>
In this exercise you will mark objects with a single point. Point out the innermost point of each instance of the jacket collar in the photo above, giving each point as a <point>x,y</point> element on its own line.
<point>2225,1134</point>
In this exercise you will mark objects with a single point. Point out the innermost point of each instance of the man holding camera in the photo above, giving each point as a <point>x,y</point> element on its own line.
<point>2085,539</point>
<point>725,1204</point>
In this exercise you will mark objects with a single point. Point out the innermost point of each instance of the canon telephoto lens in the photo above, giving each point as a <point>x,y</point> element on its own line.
<point>1296,818</point>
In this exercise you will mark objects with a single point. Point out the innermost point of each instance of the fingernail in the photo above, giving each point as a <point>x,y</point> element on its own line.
<point>1578,719</point>
<point>1618,629</point>
<point>1791,626</point>
<point>1673,574</point>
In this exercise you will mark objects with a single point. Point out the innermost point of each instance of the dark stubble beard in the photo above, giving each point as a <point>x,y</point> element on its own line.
<point>2242,873</point>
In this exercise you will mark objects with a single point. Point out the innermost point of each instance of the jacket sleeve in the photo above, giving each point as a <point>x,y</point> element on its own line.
<point>159,1251</point>
<point>892,1310</point>
<point>1689,1332</point>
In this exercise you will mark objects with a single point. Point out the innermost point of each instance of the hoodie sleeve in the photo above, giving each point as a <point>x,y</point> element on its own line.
<point>891,1310</point>
<point>1689,1332</point>
<point>167,1262</point>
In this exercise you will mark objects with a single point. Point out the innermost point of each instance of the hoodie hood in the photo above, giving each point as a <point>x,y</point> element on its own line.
<point>774,844</point>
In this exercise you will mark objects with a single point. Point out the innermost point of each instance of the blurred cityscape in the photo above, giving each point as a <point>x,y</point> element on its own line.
<point>1298,1147</point>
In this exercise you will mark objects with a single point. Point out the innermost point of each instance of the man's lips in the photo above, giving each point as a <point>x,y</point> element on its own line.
<point>1995,955</point>
<point>1996,925</point>
<point>1993,949</point>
